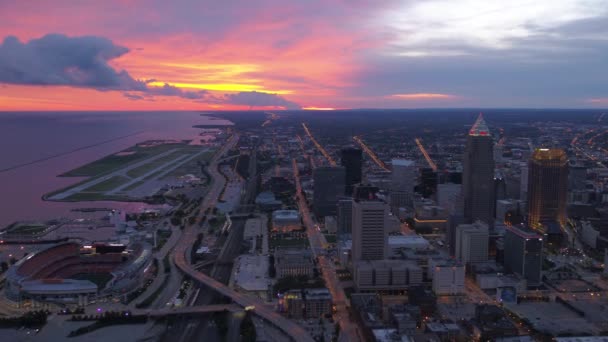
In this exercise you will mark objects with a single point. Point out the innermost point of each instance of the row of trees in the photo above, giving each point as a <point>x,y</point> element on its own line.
<point>32,319</point>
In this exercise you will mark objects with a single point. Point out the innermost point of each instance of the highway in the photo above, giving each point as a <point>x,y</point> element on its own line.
<point>426,155</point>
<point>331,160</point>
<point>348,330</point>
<point>188,310</point>
<point>371,154</point>
<point>181,260</point>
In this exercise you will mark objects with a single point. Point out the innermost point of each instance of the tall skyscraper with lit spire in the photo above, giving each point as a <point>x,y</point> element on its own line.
<point>478,174</point>
<point>547,186</point>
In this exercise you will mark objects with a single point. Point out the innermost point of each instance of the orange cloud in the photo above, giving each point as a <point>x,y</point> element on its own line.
<point>599,101</point>
<point>286,49</point>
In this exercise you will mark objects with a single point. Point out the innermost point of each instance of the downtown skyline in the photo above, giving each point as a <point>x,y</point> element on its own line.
<point>202,55</point>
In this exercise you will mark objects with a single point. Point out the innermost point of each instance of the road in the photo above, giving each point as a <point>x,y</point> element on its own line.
<point>188,310</point>
<point>426,155</point>
<point>371,154</point>
<point>181,259</point>
<point>348,330</point>
<point>331,160</point>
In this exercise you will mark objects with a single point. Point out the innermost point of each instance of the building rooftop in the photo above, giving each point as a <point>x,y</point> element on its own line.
<point>250,272</point>
<point>549,154</point>
<point>321,293</point>
<point>524,232</point>
<point>403,162</point>
<point>58,285</point>
<point>285,215</point>
<point>479,128</point>
<point>411,241</point>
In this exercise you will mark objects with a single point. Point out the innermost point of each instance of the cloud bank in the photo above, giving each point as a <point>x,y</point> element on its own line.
<point>59,60</point>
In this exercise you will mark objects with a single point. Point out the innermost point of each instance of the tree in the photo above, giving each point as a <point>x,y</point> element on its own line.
<point>176,221</point>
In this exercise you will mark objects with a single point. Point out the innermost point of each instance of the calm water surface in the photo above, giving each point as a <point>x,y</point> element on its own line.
<point>56,142</point>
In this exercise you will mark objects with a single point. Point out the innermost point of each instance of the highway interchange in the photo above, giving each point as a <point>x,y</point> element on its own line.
<point>181,255</point>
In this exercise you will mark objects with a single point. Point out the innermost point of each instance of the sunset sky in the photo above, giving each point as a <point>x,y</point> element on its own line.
<point>195,54</point>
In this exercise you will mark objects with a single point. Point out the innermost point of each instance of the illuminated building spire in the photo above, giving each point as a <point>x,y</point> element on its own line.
<point>479,128</point>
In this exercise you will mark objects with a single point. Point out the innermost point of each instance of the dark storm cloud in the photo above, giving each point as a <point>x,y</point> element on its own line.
<point>56,59</point>
<point>258,99</point>
<point>59,60</point>
<point>169,90</point>
<point>133,96</point>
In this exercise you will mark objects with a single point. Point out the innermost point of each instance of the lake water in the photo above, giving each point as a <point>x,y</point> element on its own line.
<point>35,147</point>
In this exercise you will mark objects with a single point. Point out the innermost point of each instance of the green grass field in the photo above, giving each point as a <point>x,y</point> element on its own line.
<point>96,196</point>
<point>114,161</point>
<point>100,279</point>
<point>26,229</point>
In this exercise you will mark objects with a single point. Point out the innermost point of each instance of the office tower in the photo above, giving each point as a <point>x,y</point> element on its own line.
<point>447,195</point>
<point>352,160</point>
<point>365,192</point>
<point>577,177</point>
<point>547,186</point>
<point>345,217</point>
<point>478,174</point>
<point>402,183</point>
<point>523,253</point>
<point>428,182</point>
<point>497,152</point>
<point>370,237</point>
<point>472,242</point>
<point>523,182</point>
<point>328,188</point>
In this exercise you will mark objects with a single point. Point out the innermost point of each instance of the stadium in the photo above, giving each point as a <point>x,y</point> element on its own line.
<point>71,273</point>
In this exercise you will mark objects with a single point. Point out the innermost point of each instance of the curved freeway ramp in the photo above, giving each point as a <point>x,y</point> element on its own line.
<point>296,332</point>
<point>288,327</point>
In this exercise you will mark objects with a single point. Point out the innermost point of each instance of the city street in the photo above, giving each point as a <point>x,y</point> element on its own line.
<point>349,331</point>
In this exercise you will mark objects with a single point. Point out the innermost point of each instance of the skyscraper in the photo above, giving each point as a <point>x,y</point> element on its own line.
<point>345,217</point>
<point>328,188</point>
<point>370,236</point>
<point>478,174</point>
<point>547,186</point>
<point>523,253</point>
<point>402,183</point>
<point>352,160</point>
<point>428,182</point>
<point>472,242</point>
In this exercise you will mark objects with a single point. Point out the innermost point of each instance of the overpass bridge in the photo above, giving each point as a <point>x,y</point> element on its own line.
<point>189,310</point>
<point>291,329</point>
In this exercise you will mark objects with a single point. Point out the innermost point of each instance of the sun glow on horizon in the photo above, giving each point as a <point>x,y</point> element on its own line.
<point>230,87</point>
<point>318,108</point>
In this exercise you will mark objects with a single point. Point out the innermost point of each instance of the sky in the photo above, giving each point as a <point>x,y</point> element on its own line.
<point>302,54</point>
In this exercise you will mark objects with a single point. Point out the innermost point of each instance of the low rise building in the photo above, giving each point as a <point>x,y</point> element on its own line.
<point>250,276</point>
<point>448,277</point>
<point>378,275</point>
<point>286,220</point>
<point>318,302</point>
<point>307,303</point>
<point>293,262</point>
<point>266,201</point>
<point>398,243</point>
